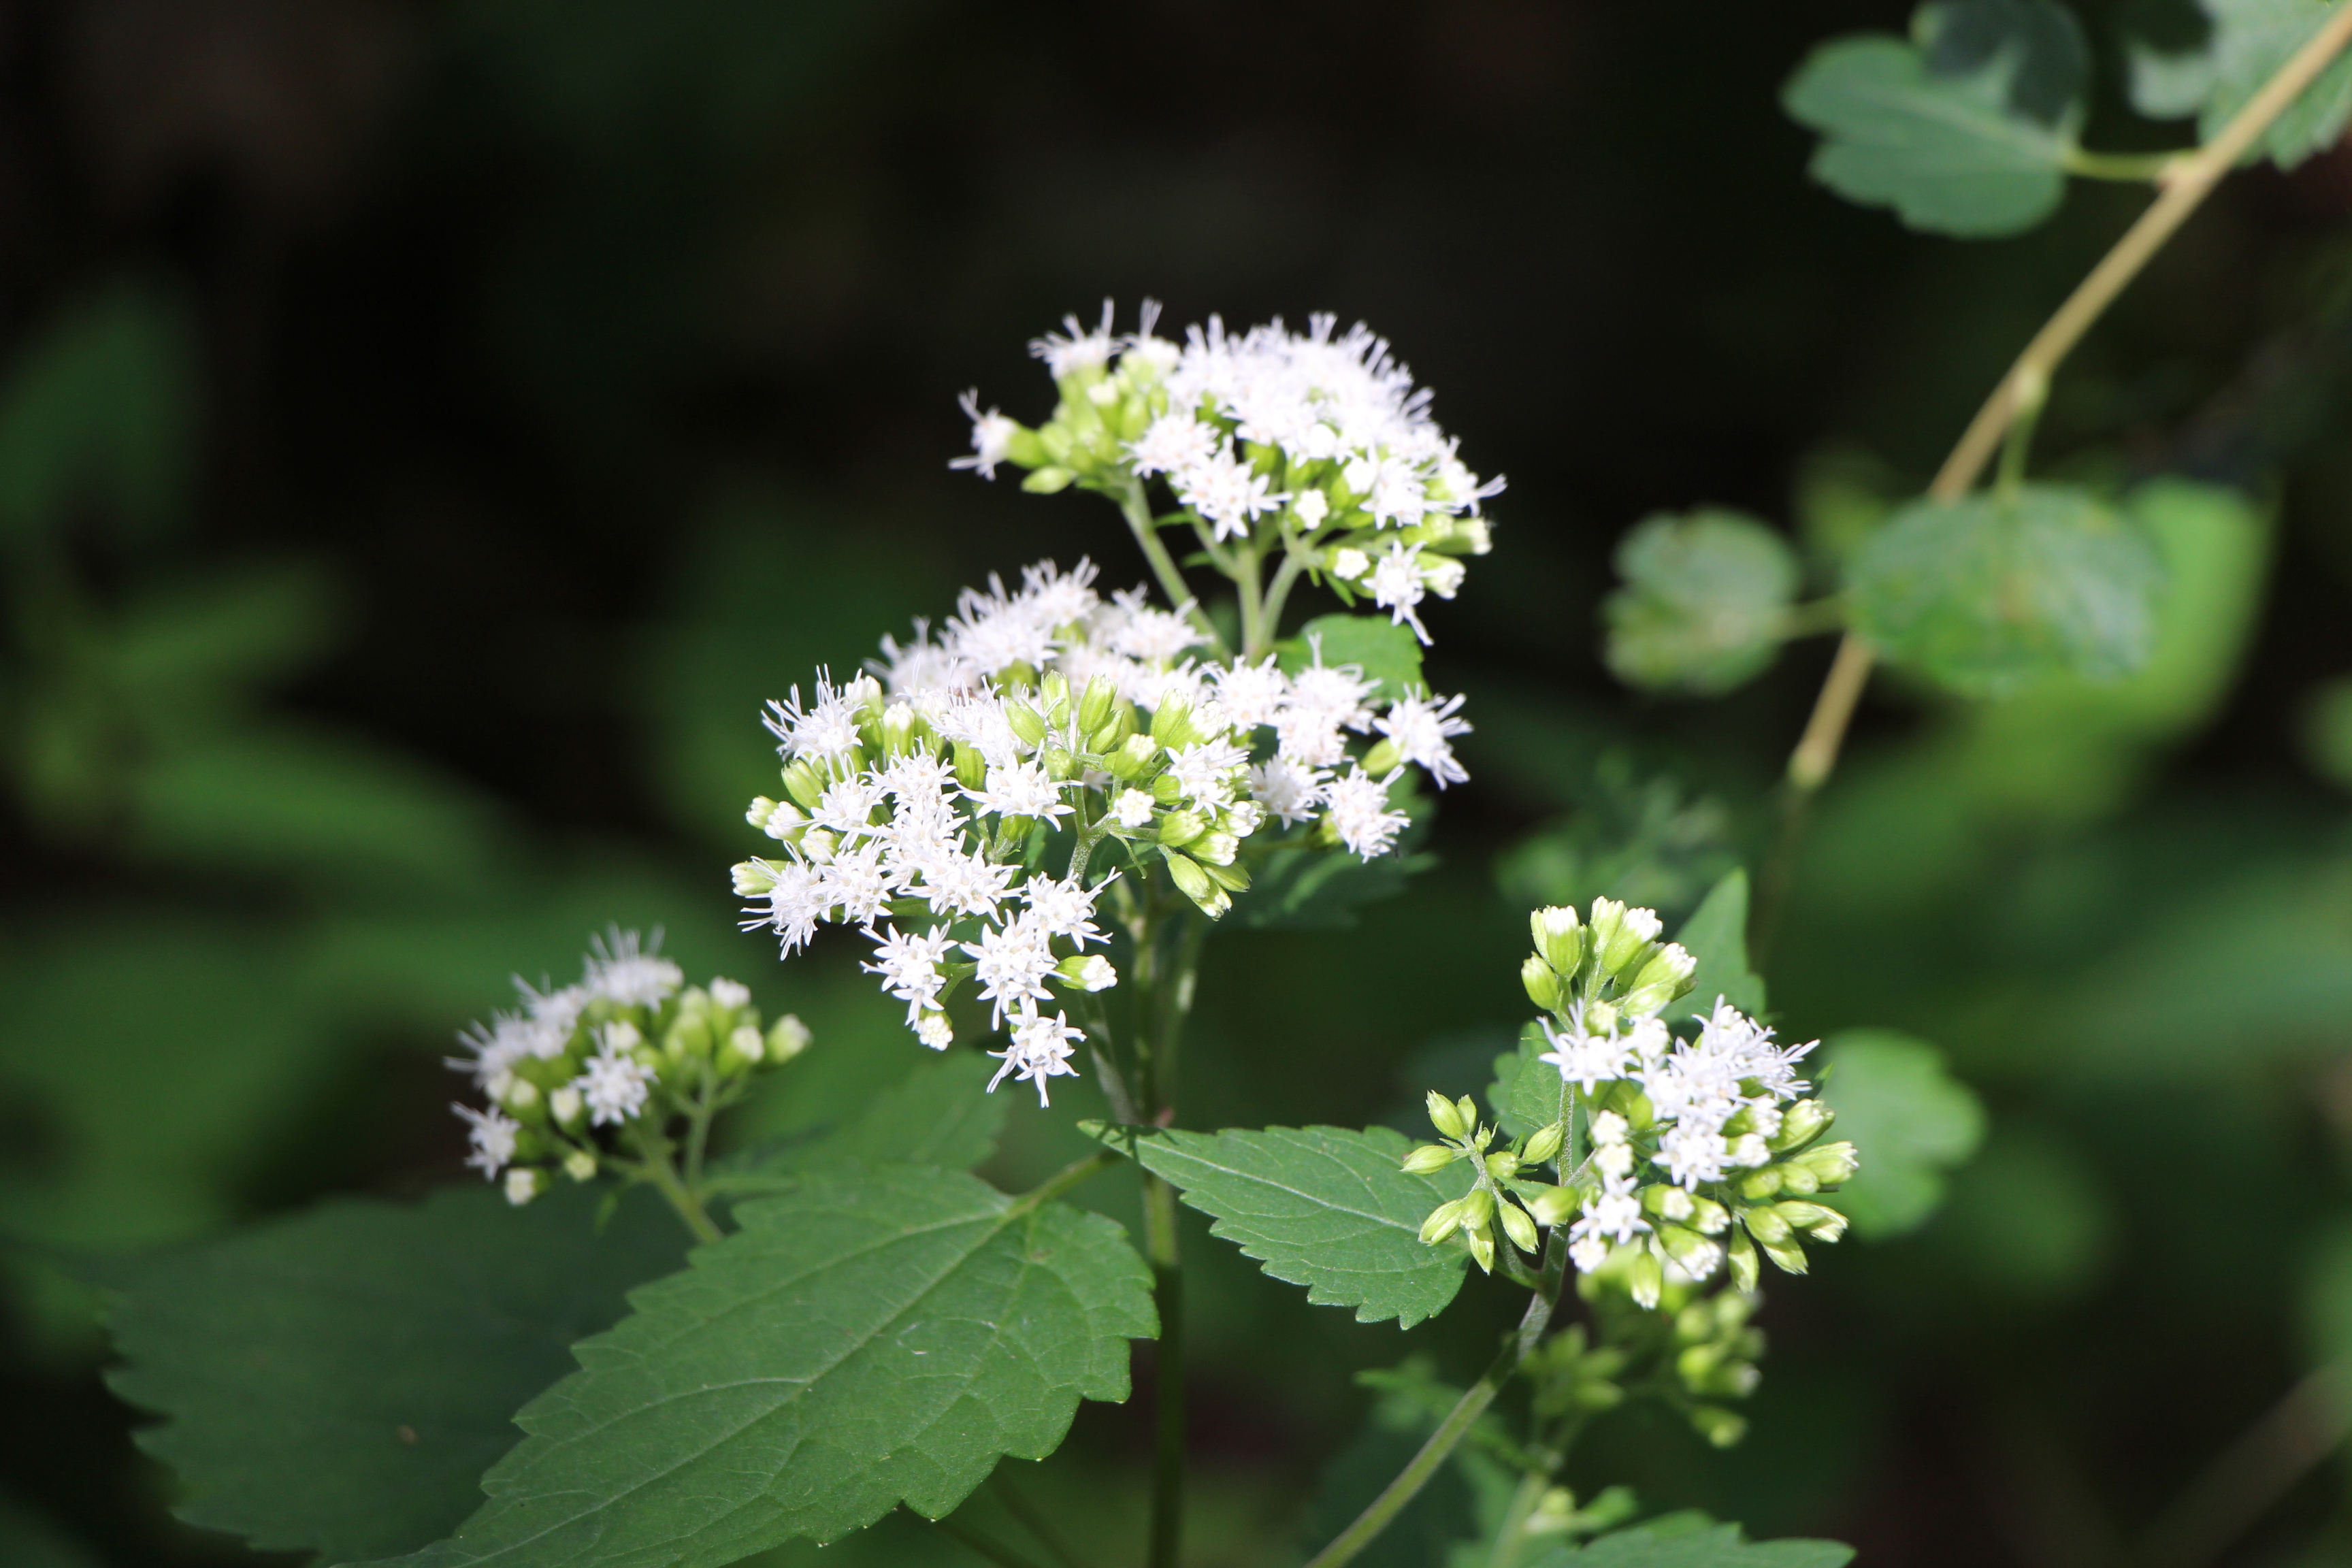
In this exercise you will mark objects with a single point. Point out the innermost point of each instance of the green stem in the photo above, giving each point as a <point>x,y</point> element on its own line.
<point>2136,168</point>
<point>1253,605</point>
<point>1161,1246</point>
<point>1061,1181</point>
<point>1294,561</point>
<point>688,1204</point>
<point>1513,1534</point>
<point>1456,1425</point>
<point>1137,510</point>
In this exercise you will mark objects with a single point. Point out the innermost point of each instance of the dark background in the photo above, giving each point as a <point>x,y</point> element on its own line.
<point>427,433</point>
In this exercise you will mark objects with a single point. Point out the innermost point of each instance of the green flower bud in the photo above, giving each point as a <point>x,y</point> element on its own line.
<point>901,727</point>
<point>580,1165</point>
<point>1619,935</point>
<point>565,1106</point>
<point>1450,1120</point>
<point>522,1185</point>
<point>1382,758</point>
<point>1056,689</point>
<point>1094,706</point>
<point>1428,1159</point>
<point>1601,1017</point>
<point>804,784</point>
<point>1026,722</point>
<point>1172,724</point>
<point>970,767</point>
<point>1709,1217</point>
<point>1179,828</point>
<point>1554,1206</point>
<point>1739,1256</point>
<point>1477,1208</point>
<point>521,1095</point>
<point>1673,967</point>
<point>1132,757</point>
<point>1233,879</point>
<point>1648,1279</point>
<point>1443,1221</point>
<point>1543,985</point>
<point>1217,848</point>
<point>1047,481</point>
<point>1762,1184</point>
<point>753,878</point>
<point>1091,972</point>
<point>1196,885</point>
<point>1559,938</point>
<point>1059,763</point>
<point>1518,1228</point>
<point>1822,1222</point>
<point>744,1049</point>
<point>1502,1164</point>
<point>787,1038</point>
<point>1115,729</point>
<point>1832,1164</point>
<point>1482,1250</point>
<point>1765,1225</point>
<point>1166,790</point>
<point>1545,1143</point>
<point>1788,1255</point>
<point>1799,1181</point>
<point>1719,1426</point>
<point>1799,1123</point>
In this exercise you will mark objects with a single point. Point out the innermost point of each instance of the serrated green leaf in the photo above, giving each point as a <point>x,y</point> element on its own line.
<point>1534,1095</point>
<point>1388,654</point>
<point>339,1380</point>
<point>2249,41</point>
<point>1717,935</point>
<point>1716,1546</point>
<point>1326,1207</point>
<point>1952,152</point>
<point>1705,601</point>
<point>878,1335</point>
<point>1992,593</point>
<point>1911,1119</point>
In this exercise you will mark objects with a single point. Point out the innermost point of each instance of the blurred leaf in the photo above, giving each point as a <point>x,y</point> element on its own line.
<point>1988,594</point>
<point>207,640</point>
<point>1714,1546</point>
<point>882,1334</point>
<point>1717,935</point>
<point>1317,888</point>
<point>1388,654</point>
<point>2027,1218</point>
<point>2054,58</point>
<point>1462,1502</point>
<point>1326,1207</point>
<point>29,1540</point>
<point>1962,150</point>
<point>339,1380</point>
<point>2250,41</point>
<point>1705,604</point>
<point>1529,1095</point>
<point>1642,840</point>
<point>936,1115</point>
<point>2327,731</point>
<point>304,801</point>
<point>97,409</point>
<point>1844,494</point>
<point>1910,1119</point>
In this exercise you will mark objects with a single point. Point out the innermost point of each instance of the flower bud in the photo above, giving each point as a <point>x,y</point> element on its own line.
<point>1217,848</point>
<point>1739,1254</point>
<point>1545,1143</point>
<point>1094,706</point>
<point>1673,968</point>
<point>1428,1159</point>
<point>753,878</point>
<point>1383,757</point>
<point>970,767</point>
<point>580,1165</point>
<point>1026,722</point>
<point>1231,878</point>
<point>804,784</point>
<point>1709,1217</point>
<point>1047,481</point>
<point>1799,1123</point>
<point>1452,1121</point>
<point>522,1185</point>
<point>1055,690</point>
<point>1822,1223</point>
<point>744,1048</point>
<point>1518,1228</point>
<point>564,1105</point>
<point>1482,1250</point>
<point>1786,1256</point>
<point>1765,1225</point>
<point>1831,1163</point>
<point>1799,1181</point>
<point>1619,935</point>
<point>1196,885</point>
<point>1502,1164</point>
<point>521,1095</point>
<point>1554,1206</point>
<point>1542,985</point>
<point>1763,1185</point>
<point>1601,1018</point>
<point>1719,1426</point>
<point>1179,828</point>
<point>1133,756</point>
<point>1167,790</point>
<point>934,1030</point>
<point>1172,723</point>
<point>1477,1208</point>
<point>1443,1221</point>
<point>1559,938</point>
<point>1648,1279</point>
<point>1091,972</point>
<point>787,1038</point>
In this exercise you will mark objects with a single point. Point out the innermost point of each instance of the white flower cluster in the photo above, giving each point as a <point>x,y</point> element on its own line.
<point>577,1057</point>
<point>1715,1104</point>
<point>1317,443</point>
<point>921,797</point>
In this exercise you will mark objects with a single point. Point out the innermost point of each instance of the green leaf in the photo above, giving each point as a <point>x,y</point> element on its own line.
<point>1314,888</point>
<point>878,1335</point>
<point>339,1380</point>
<point>2327,731</point>
<point>936,1115</point>
<point>1705,604</point>
<point>1717,935</point>
<point>1911,1119</point>
<point>1326,1207</point>
<point>1990,594</point>
<point>1388,654</point>
<point>1958,151</point>
<point>1527,1094</point>
<point>2249,41</point>
<point>1716,1546</point>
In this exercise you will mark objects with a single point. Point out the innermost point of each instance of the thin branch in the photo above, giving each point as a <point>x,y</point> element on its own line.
<point>2253,1472</point>
<point>1061,1181</point>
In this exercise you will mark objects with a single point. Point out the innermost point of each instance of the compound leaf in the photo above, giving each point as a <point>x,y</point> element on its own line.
<point>1326,1207</point>
<point>339,1380</point>
<point>1990,593</point>
<point>877,1335</point>
<point>1966,130</point>
<point>1911,1119</point>
<point>1705,604</point>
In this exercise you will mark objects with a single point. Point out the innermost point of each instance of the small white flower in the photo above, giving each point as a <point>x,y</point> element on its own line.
<point>1348,562</point>
<point>1397,586</point>
<point>1173,443</point>
<point>729,994</point>
<point>1132,809</point>
<point>615,1087</point>
<point>522,1185</point>
<point>1310,507</point>
<point>933,1030</point>
<point>992,438</point>
<point>1609,1128</point>
<point>1040,1050</point>
<point>1423,728</point>
<point>1358,804</point>
<point>1021,790</point>
<point>1064,908</point>
<point>1009,964</point>
<point>627,972</point>
<point>1096,973</point>
<point>826,727</point>
<point>909,964</point>
<point>492,1136</point>
<point>1286,789</point>
<point>1080,351</point>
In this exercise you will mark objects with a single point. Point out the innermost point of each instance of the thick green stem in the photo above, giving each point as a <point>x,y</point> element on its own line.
<point>1136,508</point>
<point>1456,1425</point>
<point>1512,1537</point>
<point>688,1203</point>
<point>1245,580</point>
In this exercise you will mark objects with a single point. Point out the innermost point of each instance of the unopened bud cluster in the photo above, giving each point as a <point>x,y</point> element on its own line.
<point>1314,448</point>
<point>1492,1207</point>
<point>1702,1152</point>
<point>624,1051</point>
<point>1699,1348</point>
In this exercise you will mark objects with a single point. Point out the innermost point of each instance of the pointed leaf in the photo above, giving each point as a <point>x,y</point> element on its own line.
<point>1717,935</point>
<point>1326,1207</point>
<point>878,1335</point>
<point>339,1380</point>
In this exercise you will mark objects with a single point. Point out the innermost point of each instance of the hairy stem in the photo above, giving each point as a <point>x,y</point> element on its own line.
<point>1456,1425</point>
<point>1136,508</point>
<point>2188,179</point>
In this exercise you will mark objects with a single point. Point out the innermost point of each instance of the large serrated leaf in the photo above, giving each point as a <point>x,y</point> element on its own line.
<point>1705,604</point>
<point>1326,1207</point>
<point>339,1380</point>
<point>1911,1119</point>
<point>1716,1546</point>
<point>2249,41</point>
<point>1958,151</point>
<point>878,1335</point>
<point>1992,593</point>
